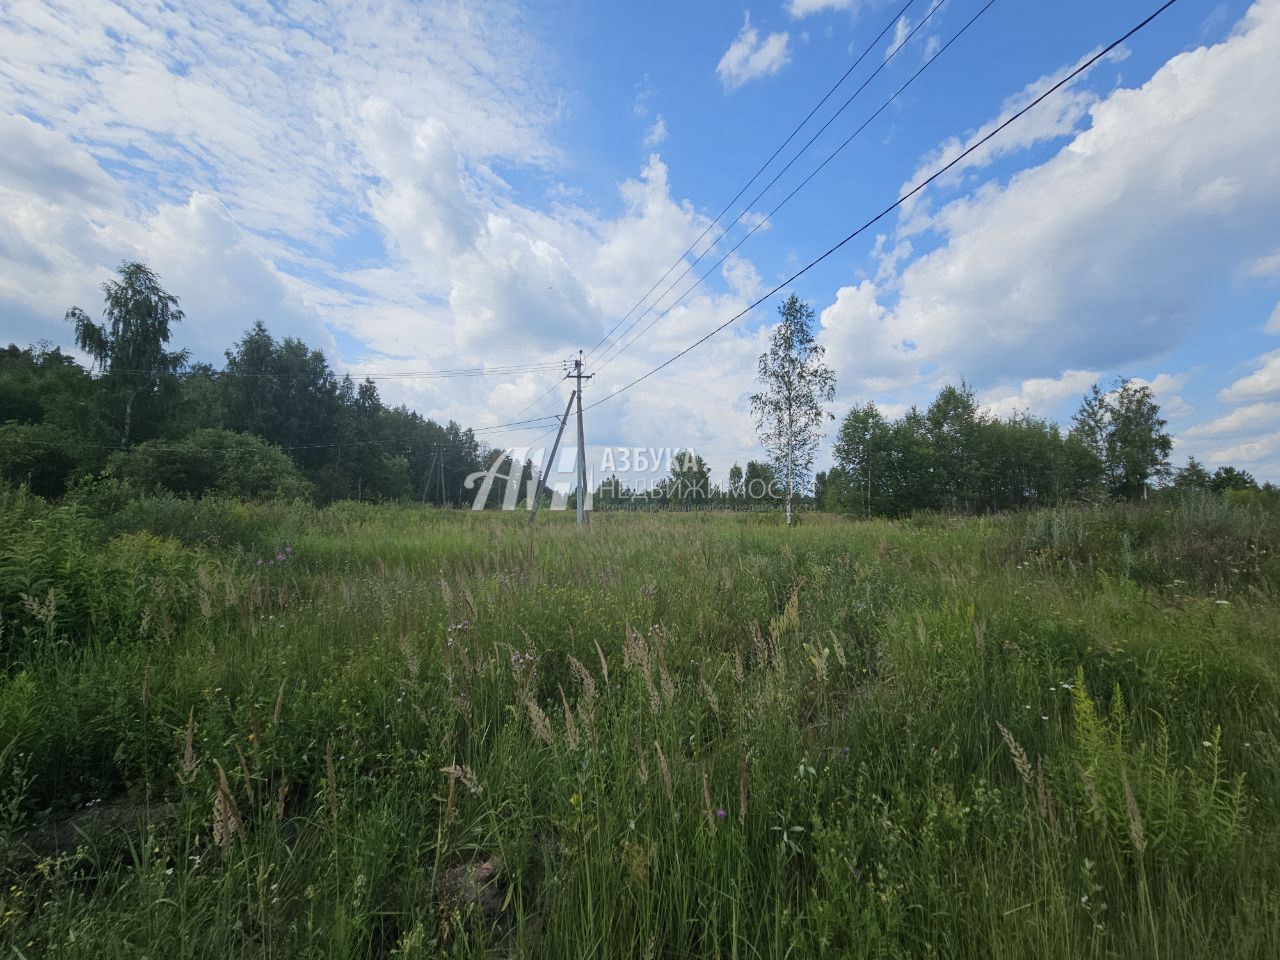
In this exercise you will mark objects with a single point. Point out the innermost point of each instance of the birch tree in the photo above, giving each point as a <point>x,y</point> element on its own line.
<point>791,407</point>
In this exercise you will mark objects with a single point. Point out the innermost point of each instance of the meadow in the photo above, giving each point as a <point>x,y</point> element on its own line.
<point>274,730</point>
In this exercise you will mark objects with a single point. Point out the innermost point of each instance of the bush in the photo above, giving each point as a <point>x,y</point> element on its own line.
<point>212,461</point>
<point>63,581</point>
<point>1200,538</point>
<point>42,456</point>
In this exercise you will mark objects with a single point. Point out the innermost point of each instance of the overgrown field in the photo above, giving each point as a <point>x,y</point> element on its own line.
<point>236,730</point>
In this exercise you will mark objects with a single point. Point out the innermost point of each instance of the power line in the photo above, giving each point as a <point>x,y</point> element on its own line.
<point>799,153</point>
<point>813,173</point>
<point>1081,68</point>
<point>773,156</point>
<point>357,375</point>
<point>893,53</point>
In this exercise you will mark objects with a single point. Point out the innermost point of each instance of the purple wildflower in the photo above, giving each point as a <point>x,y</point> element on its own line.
<point>721,812</point>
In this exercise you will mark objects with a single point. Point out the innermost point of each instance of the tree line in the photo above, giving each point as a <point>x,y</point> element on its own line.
<point>953,456</point>
<point>276,421</point>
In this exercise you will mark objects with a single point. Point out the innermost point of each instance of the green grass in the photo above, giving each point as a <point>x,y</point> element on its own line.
<point>1047,735</point>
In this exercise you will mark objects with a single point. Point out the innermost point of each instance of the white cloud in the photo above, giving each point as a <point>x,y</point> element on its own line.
<point>1263,382</point>
<point>1273,322</point>
<point>1058,116</point>
<point>900,30</point>
<point>804,8</point>
<point>234,148</point>
<point>657,133</point>
<point>749,57</point>
<point>1100,257</point>
<point>1242,420</point>
<point>1268,266</point>
<point>1039,396</point>
<point>1250,454</point>
<point>742,277</point>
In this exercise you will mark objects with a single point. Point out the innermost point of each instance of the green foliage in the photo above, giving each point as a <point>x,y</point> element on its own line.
<point>41,456</point>
<point>212,461</point>
<point>795,388</point>
<point>128,348</point>
<point>63,583</point>
<point>681,734</point>
<point>59,423</point>
<point>1201,540</point>
<point>956,458</point>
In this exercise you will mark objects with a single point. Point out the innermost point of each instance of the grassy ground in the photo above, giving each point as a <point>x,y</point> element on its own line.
<point>422,733</point>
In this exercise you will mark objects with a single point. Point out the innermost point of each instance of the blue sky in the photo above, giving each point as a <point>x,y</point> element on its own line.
<point>420,186</point>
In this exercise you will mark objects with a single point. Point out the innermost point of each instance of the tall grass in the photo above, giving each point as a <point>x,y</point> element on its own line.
<point>410,732</point>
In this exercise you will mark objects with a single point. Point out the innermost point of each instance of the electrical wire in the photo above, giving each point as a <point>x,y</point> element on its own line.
<point>785,200</point>
<point>1081,68</point>
<point>865,83</point>
<point>743,189</point>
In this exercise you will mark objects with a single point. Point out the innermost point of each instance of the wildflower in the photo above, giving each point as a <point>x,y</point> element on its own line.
<point>280,557</point>
<point>1044,716</point>
<point>1205,743</point>
<point>288,550</point>
<point>259,561</point>
<point>721,812</point>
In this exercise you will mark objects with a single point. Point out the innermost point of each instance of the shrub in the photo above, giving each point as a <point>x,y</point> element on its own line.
<point>212,461</point>
<point>62,581</point>
<point>42,456</point>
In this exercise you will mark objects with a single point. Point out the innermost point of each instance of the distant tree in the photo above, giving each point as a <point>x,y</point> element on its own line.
<point>1124,431</point>
<point>1229,478</point>
<point>791,406</point>
<point>955,432</point>
<point>760,482</point>
<point>610,491</point>
<point>690,480</point>
<point>735,481</point>
<point>863,454</point>
<point>128,347</point>
<point>1193,476</point>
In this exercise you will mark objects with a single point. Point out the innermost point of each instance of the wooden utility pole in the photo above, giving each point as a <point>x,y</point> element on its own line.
<point>550,462</point>
<point>437,461</point>
<point>584,515</point>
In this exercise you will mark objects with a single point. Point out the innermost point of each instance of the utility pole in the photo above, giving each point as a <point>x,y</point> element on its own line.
<point>431,472</point>
<point>550,462</point>
<point>444,494</point>
<point>584,515</point>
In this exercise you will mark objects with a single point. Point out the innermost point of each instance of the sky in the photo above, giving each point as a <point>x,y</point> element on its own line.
<point>416,186</point>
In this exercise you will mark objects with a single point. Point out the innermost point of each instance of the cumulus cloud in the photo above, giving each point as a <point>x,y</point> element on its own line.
<point>343,178</point>
<point>749,57</point>
<point>1242,420</point>
<point>1263,382</point>
<point>1268,266</point>
<point>805,8</point>
<point>657,133</point>
<point>1058,116</point>
<point>1250,454</point>
<point>1099,257</point>
<point>1039,396</point>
